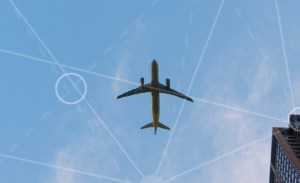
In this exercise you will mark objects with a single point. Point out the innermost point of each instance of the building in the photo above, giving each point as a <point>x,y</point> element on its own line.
<point>285,153</point>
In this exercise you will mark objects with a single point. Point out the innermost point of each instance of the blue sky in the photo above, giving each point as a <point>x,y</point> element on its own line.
<point>236,59</point>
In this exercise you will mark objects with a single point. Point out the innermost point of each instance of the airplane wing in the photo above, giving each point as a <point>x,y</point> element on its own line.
<point>164,89</point>
<point>141,89</point>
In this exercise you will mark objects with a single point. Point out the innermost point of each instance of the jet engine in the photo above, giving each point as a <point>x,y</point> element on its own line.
<point>142,81</point>
<point>168,83</point>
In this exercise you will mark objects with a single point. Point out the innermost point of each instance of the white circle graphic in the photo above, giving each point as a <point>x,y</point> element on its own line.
<point>68,75</point>
<point>292,112</point>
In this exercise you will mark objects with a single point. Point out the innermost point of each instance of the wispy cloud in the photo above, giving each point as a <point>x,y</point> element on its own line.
<point>64,176</point>
<point>86,154</point>
<point>125,50</point>
<point>248,165</point>
<point>225,130</point>
<point>262,81</point>
<point>121,71</point>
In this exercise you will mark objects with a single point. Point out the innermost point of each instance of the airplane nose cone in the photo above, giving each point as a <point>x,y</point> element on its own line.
<point>154,62</point>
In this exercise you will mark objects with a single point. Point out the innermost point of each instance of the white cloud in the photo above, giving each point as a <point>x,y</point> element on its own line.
<point>126,52</point>
<point>121,72</point>
<point>88,154</point>
<point>249,165</point>
<point>227,130</point>
<point>64,176</point>
<point>262,81</point>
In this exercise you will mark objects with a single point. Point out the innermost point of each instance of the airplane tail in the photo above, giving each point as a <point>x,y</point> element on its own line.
<point>163,126</point>
<point>160,125</point>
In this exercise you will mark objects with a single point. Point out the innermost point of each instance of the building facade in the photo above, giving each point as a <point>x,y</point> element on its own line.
<point>285,153</point>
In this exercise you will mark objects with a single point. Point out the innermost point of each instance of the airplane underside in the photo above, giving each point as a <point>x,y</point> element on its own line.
<point>155,88</point>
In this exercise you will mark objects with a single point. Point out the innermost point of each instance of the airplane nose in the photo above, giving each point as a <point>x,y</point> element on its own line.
<point>154,62</point>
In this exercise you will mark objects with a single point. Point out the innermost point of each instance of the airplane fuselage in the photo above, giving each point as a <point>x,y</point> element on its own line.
<point>155,87</point>
<point>154,95</point>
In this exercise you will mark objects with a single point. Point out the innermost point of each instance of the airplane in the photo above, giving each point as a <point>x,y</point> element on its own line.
<point>155,88</point>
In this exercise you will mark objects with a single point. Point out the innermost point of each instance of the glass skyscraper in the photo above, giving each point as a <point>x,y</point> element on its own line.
<point>285,153</point>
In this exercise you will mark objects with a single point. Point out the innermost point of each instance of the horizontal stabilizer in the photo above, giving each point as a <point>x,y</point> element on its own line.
<point>160,125</point>
<point>147,125</point>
